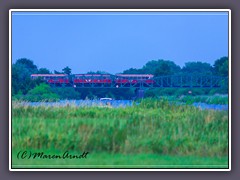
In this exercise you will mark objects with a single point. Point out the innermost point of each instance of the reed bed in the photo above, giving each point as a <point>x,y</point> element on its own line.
<point>214,99</point>
<point>153,126</point>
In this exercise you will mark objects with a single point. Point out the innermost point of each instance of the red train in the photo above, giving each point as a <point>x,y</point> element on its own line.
<point>134,78</point>
<point>52,78</point>
<point>106,79</point>
<point>92,78</point>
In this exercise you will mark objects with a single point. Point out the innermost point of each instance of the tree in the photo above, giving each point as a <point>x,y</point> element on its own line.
<point>21,76</point>
<point>133,71</point>
<point>150,67</point>
<point>57,72</point>
<point>221,66</point>
<point>28,64</point>
<point>67,70</point>
<point>197,68</point>
<point>97,72</point>
<point>161,67</point>
<point>67,93</point>
<point>157,68</point>
<point>43,71</point>
<point>42,92</point>
<point>40,89</point>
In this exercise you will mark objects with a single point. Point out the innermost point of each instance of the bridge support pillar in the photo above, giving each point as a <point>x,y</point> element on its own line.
<point>139,93</point>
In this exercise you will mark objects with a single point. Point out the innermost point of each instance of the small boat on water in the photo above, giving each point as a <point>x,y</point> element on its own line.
<point>105,99</point>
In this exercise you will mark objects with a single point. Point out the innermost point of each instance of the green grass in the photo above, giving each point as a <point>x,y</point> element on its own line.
<point>105,160</point>
<point>189,99</point>
<point>155,130</point>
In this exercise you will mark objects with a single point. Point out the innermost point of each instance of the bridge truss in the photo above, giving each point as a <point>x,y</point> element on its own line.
<point>175,81</point>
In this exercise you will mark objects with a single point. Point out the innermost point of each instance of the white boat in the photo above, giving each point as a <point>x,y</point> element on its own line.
<point>105,99</point>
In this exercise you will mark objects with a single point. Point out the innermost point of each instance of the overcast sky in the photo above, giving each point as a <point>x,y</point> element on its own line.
<point>116,41</point>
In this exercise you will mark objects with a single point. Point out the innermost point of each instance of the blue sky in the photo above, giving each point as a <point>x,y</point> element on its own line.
<point>116,41</point>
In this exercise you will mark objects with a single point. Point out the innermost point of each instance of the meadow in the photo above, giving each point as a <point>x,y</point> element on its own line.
<point>154,133</point>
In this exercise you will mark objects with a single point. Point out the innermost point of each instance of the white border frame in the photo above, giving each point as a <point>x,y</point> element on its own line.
<point>117,10</point>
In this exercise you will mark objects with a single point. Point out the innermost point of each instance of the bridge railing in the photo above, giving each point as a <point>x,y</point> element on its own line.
<point>111,81</point>
<point>190,81</point>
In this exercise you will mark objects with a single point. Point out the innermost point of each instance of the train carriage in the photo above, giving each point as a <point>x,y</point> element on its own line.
<point>52,79</point>
<point>92,80</point>
<point>135,80</point>
<point>98,80</point>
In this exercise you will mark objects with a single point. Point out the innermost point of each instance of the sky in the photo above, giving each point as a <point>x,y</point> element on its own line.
<point>116,41</point>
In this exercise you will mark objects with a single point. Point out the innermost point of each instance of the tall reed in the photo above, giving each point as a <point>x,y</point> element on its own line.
<point>153,126</point>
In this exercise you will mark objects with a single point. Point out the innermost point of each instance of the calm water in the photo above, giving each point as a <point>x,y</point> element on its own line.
<point>114,103</point>
<point>211,106</point>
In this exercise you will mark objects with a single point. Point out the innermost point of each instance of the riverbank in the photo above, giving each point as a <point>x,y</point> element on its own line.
<point>218,102</point>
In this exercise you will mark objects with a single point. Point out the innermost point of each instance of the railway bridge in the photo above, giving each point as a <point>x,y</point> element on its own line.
<point>140,82</point>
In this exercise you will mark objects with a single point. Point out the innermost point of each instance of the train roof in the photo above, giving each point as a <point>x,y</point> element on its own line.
<point>95,75</point>
<point>92,74</point>
<point>48,75</point>
<point>135,75</point>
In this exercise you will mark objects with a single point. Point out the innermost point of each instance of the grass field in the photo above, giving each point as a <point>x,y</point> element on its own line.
<point>153,134</point>
<point>108,160</point>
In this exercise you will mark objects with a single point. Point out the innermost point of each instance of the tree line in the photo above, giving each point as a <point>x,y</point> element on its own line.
<point>23,87</point>
<point>165,67</point>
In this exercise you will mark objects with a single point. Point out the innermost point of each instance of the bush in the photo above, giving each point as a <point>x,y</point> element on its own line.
<point>42,92</point>
<point>67,93</point>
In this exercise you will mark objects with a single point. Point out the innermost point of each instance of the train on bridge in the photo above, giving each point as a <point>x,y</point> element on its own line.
<point>96,79</point>
<point>131,80</point>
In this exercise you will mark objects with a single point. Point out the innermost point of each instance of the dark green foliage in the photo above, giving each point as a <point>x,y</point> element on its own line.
<point>42,92</point>
<point>163,70</point>
<point>97,72</point>
<point>223,71</point>
<point>44,71</point>
<point>57,72</point>
<point>67,93</point>
<point>109,93</point>
<point>21,72</point>
<point>221,66</point>
<point>67,70</point>
<point>197,68</point>
<point>41,89</point>
<point>161,67</point>
<point>156,67</point>
<point>134,71</point>
<point>28,64</point>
